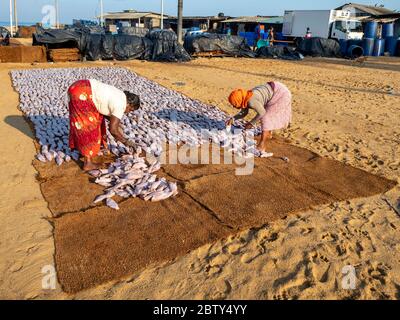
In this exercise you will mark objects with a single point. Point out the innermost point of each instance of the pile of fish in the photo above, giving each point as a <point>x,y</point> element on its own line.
<point>166,116</point>
<point>131,176</point>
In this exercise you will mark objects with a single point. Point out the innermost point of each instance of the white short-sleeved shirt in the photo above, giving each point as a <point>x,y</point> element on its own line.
<point>108,99</point>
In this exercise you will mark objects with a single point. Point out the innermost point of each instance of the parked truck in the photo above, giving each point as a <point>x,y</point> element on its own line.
<point>328,24</point>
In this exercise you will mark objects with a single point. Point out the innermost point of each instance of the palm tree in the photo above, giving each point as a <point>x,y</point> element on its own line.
<point>180,20</point>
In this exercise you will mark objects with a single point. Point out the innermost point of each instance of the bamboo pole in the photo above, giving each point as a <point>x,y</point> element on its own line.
<point>11,19</point>
<point>15,16</point>
<point>101,13</point>
<point>162,15</point>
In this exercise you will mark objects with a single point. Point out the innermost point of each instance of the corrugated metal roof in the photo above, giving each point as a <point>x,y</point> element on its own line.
<point>205,18</point>
<point>257,19</point>
<point>131,15</point>
<point>372,10</point>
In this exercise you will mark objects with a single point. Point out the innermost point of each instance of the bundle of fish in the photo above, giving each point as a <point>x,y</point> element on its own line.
<point>166,116</point>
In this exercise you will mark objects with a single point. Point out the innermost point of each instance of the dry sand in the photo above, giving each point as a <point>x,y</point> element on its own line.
<point>342,111</point>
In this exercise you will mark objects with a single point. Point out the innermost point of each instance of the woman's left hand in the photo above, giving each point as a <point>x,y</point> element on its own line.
<point>248,126</point>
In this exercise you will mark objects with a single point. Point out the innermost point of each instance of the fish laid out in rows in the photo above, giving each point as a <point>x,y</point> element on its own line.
<point>165,116</point>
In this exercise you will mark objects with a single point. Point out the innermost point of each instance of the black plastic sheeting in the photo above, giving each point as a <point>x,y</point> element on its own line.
<point>4,32</point>
<point>230,45</point>
<point>119,47</point>
<point>132,47</point>
<point>60,38</point>
<point>158,46</point>
<point>319,47</point>
<point>89,29</point>
<point>166,47</point>
<point>5,35</point>
<point>279,52</point>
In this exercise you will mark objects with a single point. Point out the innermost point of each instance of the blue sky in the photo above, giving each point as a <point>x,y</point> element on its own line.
<point>30,10</point>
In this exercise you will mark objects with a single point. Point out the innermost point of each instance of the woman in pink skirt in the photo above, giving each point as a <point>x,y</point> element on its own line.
<point>273,104</point>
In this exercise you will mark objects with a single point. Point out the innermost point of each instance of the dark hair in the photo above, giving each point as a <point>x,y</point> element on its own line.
<point>132,99</point>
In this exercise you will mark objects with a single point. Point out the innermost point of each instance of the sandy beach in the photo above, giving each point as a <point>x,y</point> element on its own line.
<point>342,110</point>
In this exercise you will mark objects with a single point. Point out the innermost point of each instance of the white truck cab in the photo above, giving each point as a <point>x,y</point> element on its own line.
<point>329,24</point>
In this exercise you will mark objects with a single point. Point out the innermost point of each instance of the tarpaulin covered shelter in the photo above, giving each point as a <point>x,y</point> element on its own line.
<point>158,45</point>
<point>319,47</point>
<point>119,47</point>
<point>279,52</point>
<point>166,47</point>
<point>56,38</point>
<point>231,45</point>
<point>4,36</point>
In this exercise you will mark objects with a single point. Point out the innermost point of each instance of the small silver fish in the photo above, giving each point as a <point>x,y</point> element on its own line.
<point>48,156</point>
<point>75,156</point>
<point>173,187</point>
<point>104,196</point>
<point>41,157</point>
<point>95,173</point>
<point>134,175</point>
<point>112,204</point>
<point>59,160</point>
<point>159,196</point>
<point>266,155</point>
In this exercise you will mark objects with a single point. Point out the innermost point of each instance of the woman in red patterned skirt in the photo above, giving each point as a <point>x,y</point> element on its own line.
<point>90,101</point>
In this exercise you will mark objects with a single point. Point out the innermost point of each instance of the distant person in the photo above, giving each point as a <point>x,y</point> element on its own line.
<point>273,104</point>
<point>168,27</point>
<point>89,102</point>
<point>308,34</point>
<point>259,30</point>
<point>271,36</point>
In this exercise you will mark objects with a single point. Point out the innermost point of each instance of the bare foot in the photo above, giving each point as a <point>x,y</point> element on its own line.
<point>262,147</point>
<point>90,166</point>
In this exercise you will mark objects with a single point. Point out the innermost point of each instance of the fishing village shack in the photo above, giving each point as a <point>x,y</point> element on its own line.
<point>376,13</point>
<point>205,23</point>
<point>133,18</point>
<point>249,24</point>
<point>360,10</point>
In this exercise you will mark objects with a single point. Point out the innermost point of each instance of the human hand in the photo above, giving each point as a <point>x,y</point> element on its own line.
<point>229,122</point>
<point>106,152</point>
<point>130,143</point>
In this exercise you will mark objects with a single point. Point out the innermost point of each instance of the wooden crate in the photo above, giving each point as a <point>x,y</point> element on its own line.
<point>22,54</point>
<point>64,55</point>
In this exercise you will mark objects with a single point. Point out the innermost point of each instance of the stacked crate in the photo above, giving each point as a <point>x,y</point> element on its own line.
<point>64,55</point>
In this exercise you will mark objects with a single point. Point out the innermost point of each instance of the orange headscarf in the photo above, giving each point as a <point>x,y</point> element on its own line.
<point>239,98</point>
